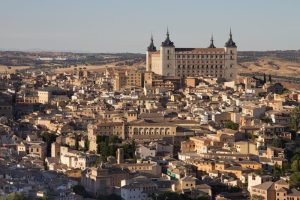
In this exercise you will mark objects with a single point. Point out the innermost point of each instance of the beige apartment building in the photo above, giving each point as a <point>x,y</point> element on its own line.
<point>44,96</point>
<point>75,159</point>
<point>104,128</point>
<point>279,190</point>
<point>129,78</point>
<point>32,97</point>
<point>142,129</point>
<point>101,180</point>
<point>145,167</point>
<point>185,62</point>
<point>38,149</point>
<point>246,147</point>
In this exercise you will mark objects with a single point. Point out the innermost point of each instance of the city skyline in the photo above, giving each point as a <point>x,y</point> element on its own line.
<point>149,100</point>
<point>116,26</point>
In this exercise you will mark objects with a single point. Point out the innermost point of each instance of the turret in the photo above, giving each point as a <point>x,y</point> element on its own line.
<point>150,49</point>
<point>167,54</point>
<point>231,58</point>
<point>167,42</point>
<point>212,42</point>
<point>230,43</point>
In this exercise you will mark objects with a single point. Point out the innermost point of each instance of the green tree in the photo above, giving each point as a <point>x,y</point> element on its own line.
<point>286,167</point>
<point>80,190</point>
<point>257,197</point>
<point>76,142</point>
<point>109,197</point>
<point>107,146</point>
<point>98,161</point>
<point>295,117</point>
<point>278,142</point>
<point>100,138</point>
<point>295,165</point>
<point>16,196</point>
<point>231,125</point>
<point>296,156</point>
<point>295,180</point>
<point>129,150</point>
<point>86,144</point>
<point>266,120</point>
<point>43,198</point>
<point>114,139</point>
<point>234,189</point>
<point>170,195</point>
<point>49,138</point>
<point>277,172</point>
<point>112,149</point>
<point>103,149</point>
<point>203,197</point>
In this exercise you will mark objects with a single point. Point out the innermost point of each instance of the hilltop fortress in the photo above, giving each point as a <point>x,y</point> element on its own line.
<point>170,61</point>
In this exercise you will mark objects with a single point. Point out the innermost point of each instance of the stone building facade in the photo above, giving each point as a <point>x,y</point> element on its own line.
<point>186,62</point>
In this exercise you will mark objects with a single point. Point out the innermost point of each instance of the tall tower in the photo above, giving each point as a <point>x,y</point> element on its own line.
<point>230,58</point>
<point>167,56</point>
<point>151,48</point>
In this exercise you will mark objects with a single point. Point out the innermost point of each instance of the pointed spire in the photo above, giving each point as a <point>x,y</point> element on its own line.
<point>230,43</point>
<point>151,47</point>
<point>212,42</point>
<point>168,34</point>
<point>167,42</point>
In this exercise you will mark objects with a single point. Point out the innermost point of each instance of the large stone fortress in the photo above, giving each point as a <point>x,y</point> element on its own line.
<point>190,62</point>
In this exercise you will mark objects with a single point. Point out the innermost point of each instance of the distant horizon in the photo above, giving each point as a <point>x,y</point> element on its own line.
<point>126,26</point>
<point>85,52</point>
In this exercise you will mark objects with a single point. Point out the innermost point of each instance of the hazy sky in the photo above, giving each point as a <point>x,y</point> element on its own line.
<point>126,25</point>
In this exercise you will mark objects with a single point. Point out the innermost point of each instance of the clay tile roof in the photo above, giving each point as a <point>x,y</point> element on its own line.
<point>264,186</point>
<point>281,182</point>
<point>294,192</point>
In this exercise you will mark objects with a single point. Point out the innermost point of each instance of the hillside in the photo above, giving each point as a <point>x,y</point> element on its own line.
<point>277,63</point>
<point>273,66</point>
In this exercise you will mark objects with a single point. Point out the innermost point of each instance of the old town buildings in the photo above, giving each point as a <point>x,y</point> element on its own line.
<point>138,133</point>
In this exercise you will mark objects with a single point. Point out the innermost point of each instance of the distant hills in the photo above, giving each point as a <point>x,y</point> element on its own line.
<point>277,63</point>
<point>36,59</point>
<point>288,55</point>
<point>19,58</point>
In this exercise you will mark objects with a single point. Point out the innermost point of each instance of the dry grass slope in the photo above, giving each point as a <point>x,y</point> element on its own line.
<point>272,66</point>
